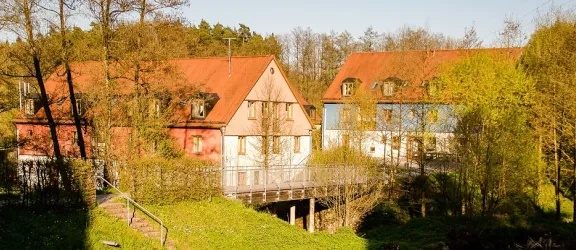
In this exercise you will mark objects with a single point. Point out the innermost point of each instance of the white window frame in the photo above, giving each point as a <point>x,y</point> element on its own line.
<point>289,111</point>
<point>251,110</point>
<point>347,88</point>
<point>388,89</point>
<point>29,109</point>
<point>198,109</point>
<point>197,144</point>
<point>297,144</point>
<point>241,145</point>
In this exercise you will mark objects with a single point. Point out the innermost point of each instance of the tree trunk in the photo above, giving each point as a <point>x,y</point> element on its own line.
<point>557,168</point>
<point>44,97</point>
<point>66,60</point>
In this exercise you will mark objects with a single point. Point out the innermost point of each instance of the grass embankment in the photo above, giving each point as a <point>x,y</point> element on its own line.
<point>224,224</point>
<point>26,229</point>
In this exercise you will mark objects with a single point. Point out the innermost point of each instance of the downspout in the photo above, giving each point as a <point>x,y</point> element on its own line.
<point>311,144</point>
<point>222,153</point>
<point>323,127</point>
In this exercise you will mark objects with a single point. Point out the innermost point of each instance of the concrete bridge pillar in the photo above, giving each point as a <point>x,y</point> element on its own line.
<point>293,214</point>
<point>311,215</point>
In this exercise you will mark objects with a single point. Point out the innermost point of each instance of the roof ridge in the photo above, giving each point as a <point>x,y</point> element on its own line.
<point>437,50</point>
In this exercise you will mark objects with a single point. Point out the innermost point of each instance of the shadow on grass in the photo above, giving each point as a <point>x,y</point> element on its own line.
<point>540,231</point>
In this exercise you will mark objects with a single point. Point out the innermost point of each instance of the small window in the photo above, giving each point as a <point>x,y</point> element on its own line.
<point>198,109</point>
<point>347,88</point>
<point>276,110</point>
<point>372,149</point>
<point>29,132</point>
<point>265,109</point>
<point>374,85</point>
<point>197,144</point>
<point>412,113</point>
<point>430,143</point>
<point>30,107</point>
<point>296,144</point>
<point>388,89</point>
<point>386,115</point>
<point>313,114</point>
<point>74,138</point>
<point>251,110</point>
<point>384,139</point>
<point>345,141</point>
<point>241,145</point>
<point>276,144</point>
<point>290,111</point>
<point>265,145</point>
<point>395,142</point>
<point>432,116</point>
<point>346,114</point>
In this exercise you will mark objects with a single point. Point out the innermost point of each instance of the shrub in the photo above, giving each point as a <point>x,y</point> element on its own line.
<point>160,180</point>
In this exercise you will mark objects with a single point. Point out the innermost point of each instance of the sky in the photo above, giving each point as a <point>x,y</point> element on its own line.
<point>449,17</point>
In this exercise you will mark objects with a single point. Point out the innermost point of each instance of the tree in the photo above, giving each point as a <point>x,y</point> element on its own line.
<point>511,34</point>
<point>369,40</point>
<point>548,59</point>
<point>470,39</point>
<point>492,99</point>
<point>22,17</point>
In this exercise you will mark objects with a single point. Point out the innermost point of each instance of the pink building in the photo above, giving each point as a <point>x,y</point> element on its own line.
<point>220,123</point>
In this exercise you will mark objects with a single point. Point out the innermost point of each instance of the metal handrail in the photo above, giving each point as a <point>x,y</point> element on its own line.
<point>150,214</point>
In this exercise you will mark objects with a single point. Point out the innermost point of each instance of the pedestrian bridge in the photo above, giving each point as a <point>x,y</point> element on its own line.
<point>256,185</point>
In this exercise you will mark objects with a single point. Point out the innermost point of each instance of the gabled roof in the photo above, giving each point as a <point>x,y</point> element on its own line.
<point>412,67</point>
<point>207,75</point>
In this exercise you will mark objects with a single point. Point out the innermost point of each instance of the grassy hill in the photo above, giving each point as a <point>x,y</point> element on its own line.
<point>224,224</point>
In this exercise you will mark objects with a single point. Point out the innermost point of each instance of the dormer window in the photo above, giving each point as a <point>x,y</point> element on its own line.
<point>388,89</point>
<point>347,88</point>
<point>198,109</point>
<point>30,109</point>
<point>313,113</point>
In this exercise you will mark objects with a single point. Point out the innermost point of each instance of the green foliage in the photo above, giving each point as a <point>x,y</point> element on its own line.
<point>157,180</point>
<point>341,155</point>
<point>492,102</point>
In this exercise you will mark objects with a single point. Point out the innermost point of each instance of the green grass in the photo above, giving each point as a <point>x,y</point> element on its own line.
<point>27,229</point>
<point>224,224</point>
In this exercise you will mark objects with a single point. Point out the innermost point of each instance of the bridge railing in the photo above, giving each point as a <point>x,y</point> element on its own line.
<point>250,179</point>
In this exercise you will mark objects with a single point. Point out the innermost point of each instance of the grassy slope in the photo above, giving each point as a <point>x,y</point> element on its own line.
<point>26,229</point>
<point>224,224</point>
<point>547,201</point>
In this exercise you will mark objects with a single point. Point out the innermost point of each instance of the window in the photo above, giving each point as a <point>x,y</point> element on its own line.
<point>395,142</point>
<point>347,88</point>
<point>432,116</point>
<point>289,111</point>
<point>346,114</point>
<point>198,109</point>
<point>29,132</point>
<point>30,107</point>
<point>276,144</point>
<point>430,143</point>
<point>197,144</point>
<point>74,138</point>
<point>313,113</point>
<point>345,141</point>
<point>384,139</point>
<point>412,113</point>
<point>251,110</point>
<point>241,145</point>
<point>386,115</point>
<point>388,89</point>
<point>265,109</point>
<point>265,144</point>
<point>296,144</point>
<point>372,149</point>
<point>276,117</point>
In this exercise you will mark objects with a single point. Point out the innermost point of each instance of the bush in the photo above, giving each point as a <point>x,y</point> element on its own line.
<point>159,180</point>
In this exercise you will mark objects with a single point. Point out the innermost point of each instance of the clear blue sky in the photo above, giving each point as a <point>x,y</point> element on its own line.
<point>446,16</point>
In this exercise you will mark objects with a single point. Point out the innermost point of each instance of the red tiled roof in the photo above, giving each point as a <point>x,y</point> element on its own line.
<point>209,75</point>
<point>411,66</point>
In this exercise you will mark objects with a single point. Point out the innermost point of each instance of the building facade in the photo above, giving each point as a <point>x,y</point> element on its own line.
<point>392,105</point>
